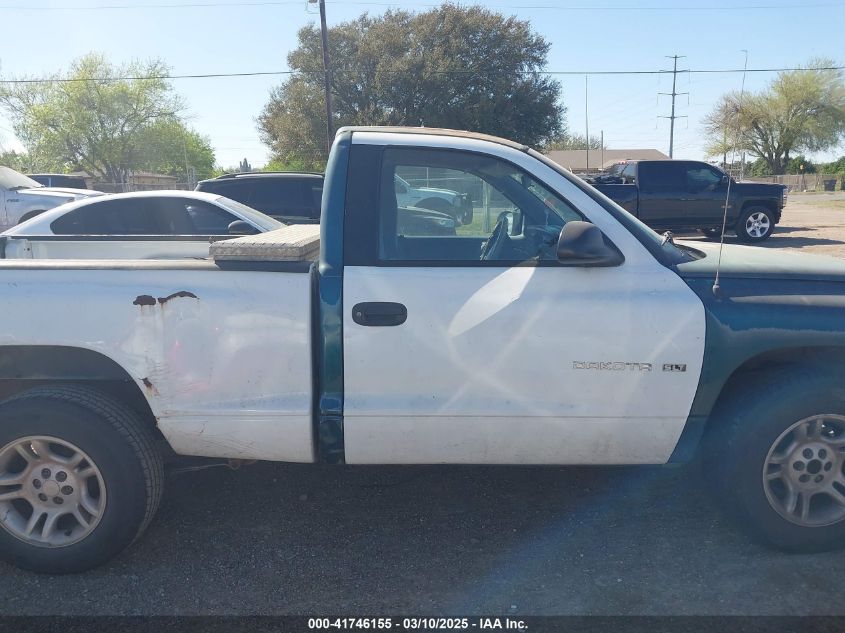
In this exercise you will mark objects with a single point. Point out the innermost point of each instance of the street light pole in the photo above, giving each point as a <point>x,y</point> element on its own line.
<point>327,72</point>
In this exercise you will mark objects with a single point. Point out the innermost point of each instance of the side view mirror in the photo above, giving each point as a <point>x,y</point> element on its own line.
<point>583,244</point>
<point>239,227</point>
<point>725,180</point>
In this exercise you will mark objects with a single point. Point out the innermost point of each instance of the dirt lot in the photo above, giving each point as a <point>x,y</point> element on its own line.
<point>811,223</point>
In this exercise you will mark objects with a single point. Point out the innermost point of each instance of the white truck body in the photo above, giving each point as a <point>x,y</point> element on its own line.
<point>210,367</point>
<point>22,198</point>
<point>557,330</point>
<point>42,247</point>
<point>239,393</point>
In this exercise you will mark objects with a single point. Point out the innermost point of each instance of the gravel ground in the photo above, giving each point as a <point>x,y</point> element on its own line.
<point>811,223</point>
<point>287,539</point>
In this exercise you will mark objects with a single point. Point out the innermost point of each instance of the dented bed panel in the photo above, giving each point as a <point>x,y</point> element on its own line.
<point>222,357</point>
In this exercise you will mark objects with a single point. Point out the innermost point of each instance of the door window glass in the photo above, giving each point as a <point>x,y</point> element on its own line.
<point>111,217</point>
<point>702,178</point>
<point>443,205</point>
<point>662,177</point>
<point>207,219</point>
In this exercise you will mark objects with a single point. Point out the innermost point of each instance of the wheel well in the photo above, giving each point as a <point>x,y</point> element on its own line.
<point>793,358</point>
<point>700,424</point>
<point>768,204</point>
<point>30,215</point>
<point>23,367</point>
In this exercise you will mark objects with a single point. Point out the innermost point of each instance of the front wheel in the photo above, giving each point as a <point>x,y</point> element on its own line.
<point>755,225</point>
<point>777,459</point>
<point>80,478</point>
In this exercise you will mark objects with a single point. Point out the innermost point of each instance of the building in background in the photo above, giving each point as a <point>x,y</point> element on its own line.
<point>575,160</point>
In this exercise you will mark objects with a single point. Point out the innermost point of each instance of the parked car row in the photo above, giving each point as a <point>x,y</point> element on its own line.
<point>666,195</point>
<point>174,224</point>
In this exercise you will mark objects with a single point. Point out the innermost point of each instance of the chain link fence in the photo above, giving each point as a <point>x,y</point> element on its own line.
<point>805,182</point>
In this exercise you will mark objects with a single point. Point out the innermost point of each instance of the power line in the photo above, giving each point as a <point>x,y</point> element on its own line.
<point>547,7</point>
<point>431,72</point>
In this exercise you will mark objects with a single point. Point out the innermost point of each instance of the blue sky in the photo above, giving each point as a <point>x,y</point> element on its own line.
<point>42,36</point>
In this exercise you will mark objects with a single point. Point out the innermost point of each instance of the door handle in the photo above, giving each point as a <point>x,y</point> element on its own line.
<point>379,313</point>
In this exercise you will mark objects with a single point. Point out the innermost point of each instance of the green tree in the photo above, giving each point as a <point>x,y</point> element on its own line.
<point>758,167</point>
<point>167,146</point>
<point>800,111</point>
<point>575,141</point>
<point>835,167</point>
<point>294,164</point>
<point>794,165</point>
<point>452,66</point>
<point>95,119</point>
<point>17,161</point>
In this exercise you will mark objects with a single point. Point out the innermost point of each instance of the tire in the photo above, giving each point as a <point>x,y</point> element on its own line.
<point>29,216</point>
<point>752,432</point>
<point>57,435</point>
<point>711,234</point>
<point>755,224</point>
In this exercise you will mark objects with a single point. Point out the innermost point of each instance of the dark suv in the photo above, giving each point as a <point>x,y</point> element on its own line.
<point>286,196</point>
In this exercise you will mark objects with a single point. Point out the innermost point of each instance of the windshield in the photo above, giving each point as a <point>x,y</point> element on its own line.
<point>265,222</point>
<point>10,179</point>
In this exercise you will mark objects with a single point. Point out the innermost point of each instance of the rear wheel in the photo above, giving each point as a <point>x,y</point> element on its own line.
<point>29,216</point>
<point>777,459</point>
<point>80,478</point>
<point>755,224</point>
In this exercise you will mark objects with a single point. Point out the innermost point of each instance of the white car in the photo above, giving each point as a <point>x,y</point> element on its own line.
<point>138,225</point>
<point>22,198</point>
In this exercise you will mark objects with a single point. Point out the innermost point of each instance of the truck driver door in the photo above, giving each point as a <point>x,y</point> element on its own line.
<point>474,344</point>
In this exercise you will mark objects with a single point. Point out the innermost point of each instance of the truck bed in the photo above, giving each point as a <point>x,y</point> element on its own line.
<point>221,351</point>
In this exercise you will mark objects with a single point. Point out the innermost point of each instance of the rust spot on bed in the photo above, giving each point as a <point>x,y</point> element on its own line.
<point>177,295</point>
<point>147,383</point>
<point>144,300</point>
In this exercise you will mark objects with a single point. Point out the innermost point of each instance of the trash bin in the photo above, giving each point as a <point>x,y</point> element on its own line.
<point>829,185</point>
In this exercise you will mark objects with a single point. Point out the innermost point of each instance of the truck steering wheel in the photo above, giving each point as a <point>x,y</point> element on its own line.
<point>497,241</point>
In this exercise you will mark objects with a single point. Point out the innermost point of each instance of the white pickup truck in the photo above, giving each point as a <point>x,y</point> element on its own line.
<point>566,333</point>
<point>22,198</point>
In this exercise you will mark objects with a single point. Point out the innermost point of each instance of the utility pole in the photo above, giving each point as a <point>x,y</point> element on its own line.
<point>602,151</point>
<point>327,70</point>
<point>673,94</point>
<point>587,119</point>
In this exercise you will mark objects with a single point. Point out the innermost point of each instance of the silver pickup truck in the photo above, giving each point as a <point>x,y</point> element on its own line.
<point>22,198</point>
